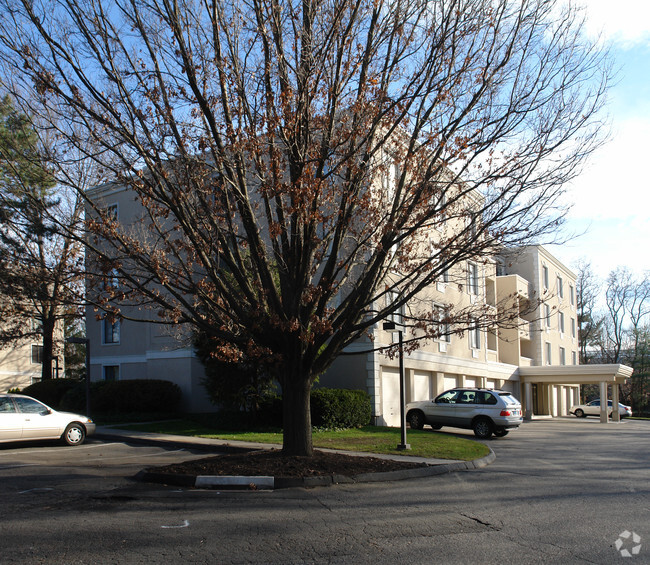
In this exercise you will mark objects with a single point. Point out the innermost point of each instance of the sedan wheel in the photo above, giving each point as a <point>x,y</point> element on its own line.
<point>74,434</point>
<point>579,413</point>
<point>416,420</point>
<point>482,428</point>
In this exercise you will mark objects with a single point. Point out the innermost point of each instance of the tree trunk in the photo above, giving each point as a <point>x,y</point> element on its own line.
<point>296,417</point>
<point>48,348</point>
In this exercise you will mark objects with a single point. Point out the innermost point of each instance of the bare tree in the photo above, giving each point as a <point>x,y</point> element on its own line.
<point>589,320</point>
<point>305,169</point>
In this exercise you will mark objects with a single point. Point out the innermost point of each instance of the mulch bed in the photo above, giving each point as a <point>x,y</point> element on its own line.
<point>274,463</point>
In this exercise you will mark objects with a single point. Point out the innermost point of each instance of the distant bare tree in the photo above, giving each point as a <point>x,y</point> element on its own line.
<point>589,320</point>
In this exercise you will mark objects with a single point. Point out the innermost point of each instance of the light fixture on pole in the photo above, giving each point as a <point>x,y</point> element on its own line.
<point>390,326</point>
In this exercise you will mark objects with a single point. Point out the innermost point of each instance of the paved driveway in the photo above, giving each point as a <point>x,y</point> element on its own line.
<point>560,491</point>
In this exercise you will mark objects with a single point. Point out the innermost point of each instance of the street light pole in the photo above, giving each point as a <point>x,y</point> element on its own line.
<point>402,388</point>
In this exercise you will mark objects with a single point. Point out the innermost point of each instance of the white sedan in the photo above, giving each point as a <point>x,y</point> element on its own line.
<point>23,418</point>
<point>593,409</point>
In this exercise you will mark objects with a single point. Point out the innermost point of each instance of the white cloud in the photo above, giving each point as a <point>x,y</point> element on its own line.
<point>625,22</point>
<point>612,186</point>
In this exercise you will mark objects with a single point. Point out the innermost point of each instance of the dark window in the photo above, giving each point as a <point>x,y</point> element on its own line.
<point>483,397</point>
<point>111,372</point>
<point>37,353</point>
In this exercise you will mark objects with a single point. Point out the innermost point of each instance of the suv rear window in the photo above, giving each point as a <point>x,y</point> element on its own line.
<point>508,398</point>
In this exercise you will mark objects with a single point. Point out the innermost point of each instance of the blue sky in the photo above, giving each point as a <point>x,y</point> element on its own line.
<point>611,198</point>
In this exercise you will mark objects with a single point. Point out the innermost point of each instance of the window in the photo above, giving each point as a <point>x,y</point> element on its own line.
<point>443,327</point>
<point>547,315</point>
<point>37,354</point>
<point>111,372</point>
<point>37,324</point>
<point>573,328</point>
<point>472,278</point>
<point>398,314</point>
<point>444,277</point>
<point>560,287</point>
<point>562,356</point>
<point>111,211</point>
<point>475,338</point>
<point>561,322</point>
<point>572,295</point>
<point>545,277</point>
<point>548,353</point>
<point>110,331</point>
<point>574,358</point>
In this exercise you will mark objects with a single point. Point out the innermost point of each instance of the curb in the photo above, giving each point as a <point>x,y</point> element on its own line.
<point>225,482</point>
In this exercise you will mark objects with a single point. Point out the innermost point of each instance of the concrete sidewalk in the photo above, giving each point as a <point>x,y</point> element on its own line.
<point>433,466</point>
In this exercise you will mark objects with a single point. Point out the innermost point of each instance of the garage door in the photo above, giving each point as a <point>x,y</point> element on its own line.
<point>450,382</point>
<point>421,386</point>
<point>390,396</point>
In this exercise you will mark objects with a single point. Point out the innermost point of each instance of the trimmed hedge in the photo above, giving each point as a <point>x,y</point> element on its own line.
<point>128,396</point>
<point>51,391</point>
<point>340,408</point>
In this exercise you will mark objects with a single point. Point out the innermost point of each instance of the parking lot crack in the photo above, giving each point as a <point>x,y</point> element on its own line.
<point>482,522</point>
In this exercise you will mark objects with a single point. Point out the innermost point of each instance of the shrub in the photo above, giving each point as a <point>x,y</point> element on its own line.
<point>51,391</point>
<point>340,408</point>
<point>129,396</point>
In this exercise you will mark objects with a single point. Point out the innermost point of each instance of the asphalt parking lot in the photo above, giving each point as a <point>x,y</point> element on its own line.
<point>561,491</point>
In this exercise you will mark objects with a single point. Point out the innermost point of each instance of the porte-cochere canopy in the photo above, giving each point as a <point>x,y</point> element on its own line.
<point>559,377</point>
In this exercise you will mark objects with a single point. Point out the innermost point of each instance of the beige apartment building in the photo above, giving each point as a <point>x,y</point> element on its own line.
<point>536,358</point>
<point>21,365</point>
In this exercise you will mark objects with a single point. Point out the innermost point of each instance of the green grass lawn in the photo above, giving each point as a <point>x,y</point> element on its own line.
<point>372,439</point>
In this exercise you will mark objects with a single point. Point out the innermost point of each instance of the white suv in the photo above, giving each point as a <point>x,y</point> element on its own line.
<point>485,411</point>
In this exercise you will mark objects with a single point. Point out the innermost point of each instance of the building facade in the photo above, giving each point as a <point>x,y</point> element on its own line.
<point>518,357</point>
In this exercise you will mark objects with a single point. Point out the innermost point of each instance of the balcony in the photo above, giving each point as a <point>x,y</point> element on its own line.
<point>525,329</point>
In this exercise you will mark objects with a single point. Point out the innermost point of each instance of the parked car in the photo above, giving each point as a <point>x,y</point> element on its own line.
<point>593,409</point>
<point>485,411</point>
<point>23,418</point>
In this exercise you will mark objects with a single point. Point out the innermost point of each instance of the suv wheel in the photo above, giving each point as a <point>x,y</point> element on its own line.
<point>501,433</point>
<point>482,428</point>
<point>416,420</point>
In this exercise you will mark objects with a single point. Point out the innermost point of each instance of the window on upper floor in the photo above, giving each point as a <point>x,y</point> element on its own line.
<point>560,287</point>
<point>561,322</point>
<point>111,211</point>
<point>398,314</point>
<point>110,331</point>
<point>545,277</point>
<point>562,356</point>
<point>574,357</point>
<point>573,327</point>
<point>547,315</point>
<point>472,278</point>
<point>475,338</point>
<point>443,327</point>
<point>548,359</point>
<point>572,295</point>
